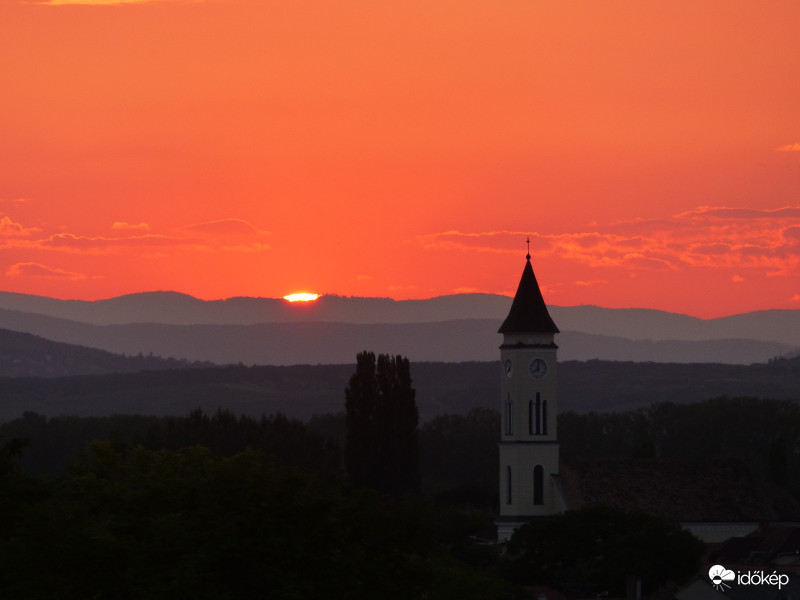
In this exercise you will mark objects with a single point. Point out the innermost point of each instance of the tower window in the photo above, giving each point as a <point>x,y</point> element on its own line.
<point>538,485</point>
<point>537,416</point>
<point>530,417</point>
<point>544,417</point>
<point>508,485</point>
<point>509,416</point>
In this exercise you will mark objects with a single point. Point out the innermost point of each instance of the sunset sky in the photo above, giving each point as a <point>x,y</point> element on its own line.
<point>403,148</point>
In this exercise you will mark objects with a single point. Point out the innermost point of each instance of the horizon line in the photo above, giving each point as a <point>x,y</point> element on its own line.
<point>388,298</point>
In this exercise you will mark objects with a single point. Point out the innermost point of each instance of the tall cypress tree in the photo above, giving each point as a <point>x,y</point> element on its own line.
<point>382,450</point>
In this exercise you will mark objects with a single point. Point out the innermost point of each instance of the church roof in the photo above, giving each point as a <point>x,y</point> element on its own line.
<point>763,546</point>
<point>528,312</point>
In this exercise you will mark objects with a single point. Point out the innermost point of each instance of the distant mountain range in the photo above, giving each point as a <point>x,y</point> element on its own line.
<point>333,329</point>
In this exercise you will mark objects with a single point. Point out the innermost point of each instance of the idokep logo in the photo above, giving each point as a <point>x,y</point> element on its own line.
<point>721,578</point>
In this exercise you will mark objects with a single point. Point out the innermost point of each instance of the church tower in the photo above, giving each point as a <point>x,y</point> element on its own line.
<point>528,438</point>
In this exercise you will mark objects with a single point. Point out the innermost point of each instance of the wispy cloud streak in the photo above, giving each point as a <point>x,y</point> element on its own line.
<point>33,269</point>
<point>109,2</point>
<point>706,237</point>
<point>9,228</point>
<point>230,235</point>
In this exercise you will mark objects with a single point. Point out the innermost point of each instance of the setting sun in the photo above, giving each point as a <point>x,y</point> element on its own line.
<point>301,297</point>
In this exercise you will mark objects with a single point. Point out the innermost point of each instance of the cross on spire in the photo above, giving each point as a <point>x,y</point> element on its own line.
<point>528,241</point>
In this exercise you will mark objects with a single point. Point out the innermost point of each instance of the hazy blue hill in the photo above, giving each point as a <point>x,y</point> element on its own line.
<point>180,309</point>
<point>147,307</point>
<point>332,343</point>
<point>778,325</point>
<point>334,328</point>
<point>632,323</point>
<point>781,326</point>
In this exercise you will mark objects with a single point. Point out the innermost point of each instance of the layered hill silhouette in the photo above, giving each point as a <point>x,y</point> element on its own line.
<point>333,329</point>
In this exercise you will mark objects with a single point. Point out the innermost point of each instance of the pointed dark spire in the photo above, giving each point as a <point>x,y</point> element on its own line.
<point>528,312</point>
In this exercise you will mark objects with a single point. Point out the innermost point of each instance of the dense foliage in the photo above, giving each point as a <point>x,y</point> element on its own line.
<point>598,551</point>
<point>762,434</point>
<point>459,458</point>
<point>458,453</point>
<point>54,442</point>
<point>139,523</point>
<point>218,505</point>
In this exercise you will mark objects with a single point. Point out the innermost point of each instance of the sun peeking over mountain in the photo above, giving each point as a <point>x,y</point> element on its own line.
<point>301,297</point>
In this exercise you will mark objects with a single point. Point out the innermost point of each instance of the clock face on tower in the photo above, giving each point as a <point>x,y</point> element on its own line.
<point>537,368</point>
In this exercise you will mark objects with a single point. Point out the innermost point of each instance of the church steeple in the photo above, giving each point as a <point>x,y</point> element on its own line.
<point>528,312</point>
<point>529,448</point>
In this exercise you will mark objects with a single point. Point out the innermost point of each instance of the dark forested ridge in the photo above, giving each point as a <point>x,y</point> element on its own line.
<point>442,388</point>
<point>297,391</point>
<point>615,386</point>
<point>457,453</point>
<point>27,355</point>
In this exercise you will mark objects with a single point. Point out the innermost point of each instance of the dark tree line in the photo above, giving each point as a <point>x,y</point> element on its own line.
<point>135,523</point>
<point>457,453</point>
<point>760,433</point>
<point>53,443</point>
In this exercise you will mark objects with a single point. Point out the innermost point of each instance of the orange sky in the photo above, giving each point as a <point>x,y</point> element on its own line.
<point>403,148</point>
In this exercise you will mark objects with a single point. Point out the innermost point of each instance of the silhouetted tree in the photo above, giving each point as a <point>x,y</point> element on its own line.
<point>382,450</point>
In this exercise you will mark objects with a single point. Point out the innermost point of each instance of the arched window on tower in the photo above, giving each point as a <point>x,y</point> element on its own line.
<point>538,429</point>
<point>508,485</point>
<point>509,416</point>
<point>538,485</point>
